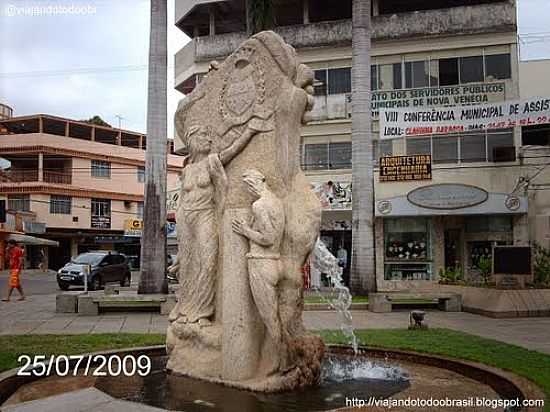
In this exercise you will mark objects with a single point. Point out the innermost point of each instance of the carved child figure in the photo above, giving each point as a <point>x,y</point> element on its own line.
<point>264,267</point>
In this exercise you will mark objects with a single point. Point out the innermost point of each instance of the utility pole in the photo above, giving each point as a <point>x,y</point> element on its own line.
<point>120,118</point>
<point>153,242</point>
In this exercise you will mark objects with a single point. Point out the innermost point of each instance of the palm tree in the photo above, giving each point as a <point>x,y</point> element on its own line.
<point>259,16</point>
<point>153,242</point>
<point>363,267</point>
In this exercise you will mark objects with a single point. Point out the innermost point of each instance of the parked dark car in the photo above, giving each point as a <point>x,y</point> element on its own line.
<point>172,277</point>
<point>105,267</point>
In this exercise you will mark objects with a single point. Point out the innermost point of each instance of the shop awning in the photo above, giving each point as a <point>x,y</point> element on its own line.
<point>31,240</point>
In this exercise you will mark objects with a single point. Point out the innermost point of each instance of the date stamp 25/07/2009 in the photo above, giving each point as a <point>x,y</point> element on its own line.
<point>87,365</point>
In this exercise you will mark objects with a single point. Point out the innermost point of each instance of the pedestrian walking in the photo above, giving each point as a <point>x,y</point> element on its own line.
<point>43,265</point>
<point>15,254</point>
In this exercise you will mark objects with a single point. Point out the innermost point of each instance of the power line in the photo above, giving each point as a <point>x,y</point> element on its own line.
<point>84,70</point>
<point>80,207</point>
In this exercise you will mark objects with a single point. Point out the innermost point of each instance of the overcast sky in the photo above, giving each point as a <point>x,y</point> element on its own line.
<point>79,65</point>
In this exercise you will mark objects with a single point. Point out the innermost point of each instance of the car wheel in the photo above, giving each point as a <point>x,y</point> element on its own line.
<point>126,281</point>
<point>96,283</point>
<point>63,285</point>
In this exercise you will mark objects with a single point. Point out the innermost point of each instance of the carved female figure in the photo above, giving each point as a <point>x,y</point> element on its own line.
<point>203,186</point>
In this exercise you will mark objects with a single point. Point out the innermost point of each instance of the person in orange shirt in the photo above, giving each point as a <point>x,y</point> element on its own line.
<point>15,254</point>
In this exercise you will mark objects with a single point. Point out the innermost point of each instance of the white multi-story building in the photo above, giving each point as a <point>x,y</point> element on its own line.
<point>424,54</point>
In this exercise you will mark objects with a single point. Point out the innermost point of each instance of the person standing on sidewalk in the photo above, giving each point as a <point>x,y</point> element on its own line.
<point>15,254</point>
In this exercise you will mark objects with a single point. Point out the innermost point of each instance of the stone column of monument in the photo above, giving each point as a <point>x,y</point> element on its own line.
<point>252,107</point>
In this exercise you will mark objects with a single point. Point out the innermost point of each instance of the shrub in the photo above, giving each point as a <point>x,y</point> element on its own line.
<point>542,265</point>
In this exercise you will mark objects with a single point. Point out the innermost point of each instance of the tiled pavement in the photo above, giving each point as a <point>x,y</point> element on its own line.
<point>37,315</point>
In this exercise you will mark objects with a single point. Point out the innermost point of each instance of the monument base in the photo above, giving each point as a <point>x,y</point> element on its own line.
<point>192,360</point>
<point>194,350</point>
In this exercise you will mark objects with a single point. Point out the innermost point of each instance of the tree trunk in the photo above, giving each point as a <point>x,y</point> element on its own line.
<point>363,277</point>
<point>153,242</point>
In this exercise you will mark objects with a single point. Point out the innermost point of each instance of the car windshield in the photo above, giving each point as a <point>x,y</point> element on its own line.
<point>88,259</point>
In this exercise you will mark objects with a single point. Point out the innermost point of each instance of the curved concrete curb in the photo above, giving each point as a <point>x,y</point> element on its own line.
<point>506,384</point>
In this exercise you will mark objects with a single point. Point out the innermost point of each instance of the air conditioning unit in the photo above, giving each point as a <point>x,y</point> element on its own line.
<point>504,154</point>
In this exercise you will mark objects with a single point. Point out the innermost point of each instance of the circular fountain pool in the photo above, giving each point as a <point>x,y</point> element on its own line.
<point>371,374</point>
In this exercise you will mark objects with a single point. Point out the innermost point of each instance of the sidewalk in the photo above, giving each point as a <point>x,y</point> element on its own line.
<point>37,315</point>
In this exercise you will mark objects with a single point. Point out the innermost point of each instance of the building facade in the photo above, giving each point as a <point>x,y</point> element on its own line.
<point>424,54</point>
<point>79,184</point>
<point>5,111</point>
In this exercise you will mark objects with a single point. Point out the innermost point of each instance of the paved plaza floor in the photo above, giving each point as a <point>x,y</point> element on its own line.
<point>36,315</point>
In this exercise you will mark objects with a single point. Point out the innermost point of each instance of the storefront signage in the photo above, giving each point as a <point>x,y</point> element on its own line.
<point>447,196</point>
<point>405,168</point>
<point>101,222</point>
<point>438,96</point>
<point>133,227</point>
<point>396,123</point>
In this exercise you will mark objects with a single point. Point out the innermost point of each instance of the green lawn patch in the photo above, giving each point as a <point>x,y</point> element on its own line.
<point>318,299</point>
<point>530,364</point>
<point>12,346</point>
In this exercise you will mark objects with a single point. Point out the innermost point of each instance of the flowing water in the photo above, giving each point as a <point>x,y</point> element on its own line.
<point>325,262</point>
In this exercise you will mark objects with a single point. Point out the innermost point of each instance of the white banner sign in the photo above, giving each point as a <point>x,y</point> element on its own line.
<point>442,120</point>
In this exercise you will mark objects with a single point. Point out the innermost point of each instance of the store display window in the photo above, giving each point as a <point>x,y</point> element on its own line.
<point>407,249</point>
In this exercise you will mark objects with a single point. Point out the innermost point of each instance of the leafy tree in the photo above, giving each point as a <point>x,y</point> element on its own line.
<point>98,121</point>
<point>260,15</point>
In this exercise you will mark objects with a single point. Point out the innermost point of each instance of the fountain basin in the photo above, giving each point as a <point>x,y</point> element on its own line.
<point>378,373</point>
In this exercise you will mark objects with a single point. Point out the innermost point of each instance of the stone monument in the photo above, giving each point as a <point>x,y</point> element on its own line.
<point>247,221</point>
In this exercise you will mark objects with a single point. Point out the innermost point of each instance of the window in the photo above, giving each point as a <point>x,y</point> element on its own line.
<point>60,205</point>
<point>480,224</point>
<point>340,155</point>
<point>490,146</point>
<point>535,135</point>
<point>141,174</point>
<point>390,76</point>
<point>320,84</point>
<point>323,156</point>
<point>101,168</point>
<point>418,146</point>
<point>473,148</point>
<point>101,207</point>
<point>445,149</point>
<point>140,210</point>
<point>417,74</point>
<point>101,213</point>
<point>19,203</point>
<point>374,77</point>
<point>339,80</point>
<point>471,69</point>
<point>381,148</point>
<point>386,148</point>
<point>498,140</point>
<point>407,249</point>
<point>498,67</point>
<point>315,156</point>
<point>448,72</point>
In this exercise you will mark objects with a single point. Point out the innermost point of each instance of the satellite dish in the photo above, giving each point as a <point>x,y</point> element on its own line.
<point>4,164</point>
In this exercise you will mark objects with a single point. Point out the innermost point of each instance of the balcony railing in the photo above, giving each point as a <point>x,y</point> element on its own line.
<point>57,177</point>
<point>20,176</point>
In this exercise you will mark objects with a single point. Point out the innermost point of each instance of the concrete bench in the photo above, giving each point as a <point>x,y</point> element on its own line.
<point>67,302</point>
<point>382,302</point>
<point>92,304</point>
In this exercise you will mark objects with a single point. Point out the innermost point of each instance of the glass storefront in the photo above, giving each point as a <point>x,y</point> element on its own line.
<point>407,249</point>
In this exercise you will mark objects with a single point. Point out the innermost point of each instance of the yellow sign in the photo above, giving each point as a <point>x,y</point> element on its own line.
<point>133,227</point>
